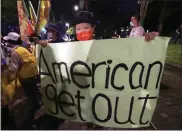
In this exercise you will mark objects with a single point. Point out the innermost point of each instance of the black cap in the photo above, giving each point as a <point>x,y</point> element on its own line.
<point>52,27</point>
<point>57,27</point>
<point>83,17</point>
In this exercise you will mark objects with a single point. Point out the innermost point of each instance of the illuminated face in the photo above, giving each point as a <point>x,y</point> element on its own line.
<point>134,21</point>
<point>84,31</point>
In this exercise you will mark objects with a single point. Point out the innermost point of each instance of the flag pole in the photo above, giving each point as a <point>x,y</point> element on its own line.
<point>37,16</point>
<point>31,6</point>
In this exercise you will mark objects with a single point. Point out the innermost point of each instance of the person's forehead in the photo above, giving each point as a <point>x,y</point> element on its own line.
<point>133,18</point>
<point>83,24</point>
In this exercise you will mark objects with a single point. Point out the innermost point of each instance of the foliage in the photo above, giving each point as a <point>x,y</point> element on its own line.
<point>174,54</point>
<point>70,31</point>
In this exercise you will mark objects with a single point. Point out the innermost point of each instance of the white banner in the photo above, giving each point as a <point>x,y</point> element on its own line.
<point>112,83</point>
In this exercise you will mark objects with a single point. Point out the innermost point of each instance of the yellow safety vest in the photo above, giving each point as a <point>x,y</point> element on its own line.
<point>29,66</point>
<point>8,89</point>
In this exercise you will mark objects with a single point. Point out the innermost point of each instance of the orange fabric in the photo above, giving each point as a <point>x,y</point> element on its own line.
<point>85,35</point>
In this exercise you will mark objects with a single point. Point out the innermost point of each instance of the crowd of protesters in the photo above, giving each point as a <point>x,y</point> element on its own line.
<point>22,63</point>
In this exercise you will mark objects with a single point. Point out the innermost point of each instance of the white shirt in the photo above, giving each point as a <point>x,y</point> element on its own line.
<point>137,31</point>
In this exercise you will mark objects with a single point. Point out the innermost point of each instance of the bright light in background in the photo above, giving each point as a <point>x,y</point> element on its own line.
<point>76,8</point>
<point>67,24</point>
<point>43,29</point>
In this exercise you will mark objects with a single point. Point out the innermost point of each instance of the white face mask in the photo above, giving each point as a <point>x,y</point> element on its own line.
<point>131,23</point>
<point>49,35</point>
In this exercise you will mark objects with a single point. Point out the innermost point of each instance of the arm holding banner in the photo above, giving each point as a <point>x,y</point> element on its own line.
<point>150,36</point>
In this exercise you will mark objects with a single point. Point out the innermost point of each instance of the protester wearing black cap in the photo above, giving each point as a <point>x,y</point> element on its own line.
<point>54,35</point>
<point>84,25</point>
<point>84,28</point>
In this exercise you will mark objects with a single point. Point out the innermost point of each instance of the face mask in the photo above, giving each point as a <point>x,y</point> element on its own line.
<point>49,35</point>
<point>85,35</point>
<point>131,23</point>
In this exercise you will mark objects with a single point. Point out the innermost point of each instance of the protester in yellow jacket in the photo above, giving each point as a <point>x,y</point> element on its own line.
<point>7,94</point>
<point>24,64</point>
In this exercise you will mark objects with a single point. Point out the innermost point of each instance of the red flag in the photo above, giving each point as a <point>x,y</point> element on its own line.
<point>26,29</point>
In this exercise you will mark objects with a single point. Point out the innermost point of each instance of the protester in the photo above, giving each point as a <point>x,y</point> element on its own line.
<point>84,28</point>
<point>137,29</point>
<point>7,120</point>
<point>23,63</point>
<point>54,35</point>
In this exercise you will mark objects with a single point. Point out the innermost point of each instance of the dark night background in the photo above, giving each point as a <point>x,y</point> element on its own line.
<point>114,14</point>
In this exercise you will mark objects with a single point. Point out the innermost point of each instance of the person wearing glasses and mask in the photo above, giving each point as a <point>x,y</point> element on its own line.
<point>138,30</point>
